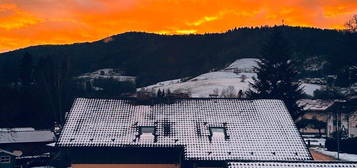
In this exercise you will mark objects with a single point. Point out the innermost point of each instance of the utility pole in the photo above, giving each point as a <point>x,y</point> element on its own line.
<point>338,133</point>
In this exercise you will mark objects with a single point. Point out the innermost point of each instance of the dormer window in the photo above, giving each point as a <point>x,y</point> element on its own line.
<point>218,133</point>
<point>147,131</point>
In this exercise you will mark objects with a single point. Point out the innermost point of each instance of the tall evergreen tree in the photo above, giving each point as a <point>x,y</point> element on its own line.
<point>276,74</point>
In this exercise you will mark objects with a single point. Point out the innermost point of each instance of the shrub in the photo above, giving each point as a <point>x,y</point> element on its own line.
<point>348,145</point>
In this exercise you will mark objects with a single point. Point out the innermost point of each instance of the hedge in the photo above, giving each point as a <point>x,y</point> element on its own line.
<point>348,145</point>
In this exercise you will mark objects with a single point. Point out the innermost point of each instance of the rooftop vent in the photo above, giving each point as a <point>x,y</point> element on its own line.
<point>218,133</point>
<point>146,134</point>
<point>147,131</point>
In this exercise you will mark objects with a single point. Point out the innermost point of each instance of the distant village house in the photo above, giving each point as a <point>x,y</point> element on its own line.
<point>20,145</point>
<point>315,117</point>
<point>343,117</point>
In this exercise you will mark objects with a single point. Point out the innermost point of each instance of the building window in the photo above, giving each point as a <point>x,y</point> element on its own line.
<point>147,131</point>
<point>218,132</point>
<point>5,159</point>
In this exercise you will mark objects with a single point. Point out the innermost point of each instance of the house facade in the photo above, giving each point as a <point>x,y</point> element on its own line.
<point>7,159</point>
<point>24,144</point>
<point>189,133</point>
<point>343,117</point>
<point>315,113</point>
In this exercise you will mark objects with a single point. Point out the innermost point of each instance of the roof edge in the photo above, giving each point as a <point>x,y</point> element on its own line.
<point>291,161</point>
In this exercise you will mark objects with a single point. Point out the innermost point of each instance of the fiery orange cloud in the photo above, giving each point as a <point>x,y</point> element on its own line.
<point>33,22</point>
<point>14,18</point>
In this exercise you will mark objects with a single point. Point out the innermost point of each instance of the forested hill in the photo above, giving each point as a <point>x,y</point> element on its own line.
<point>154,57</point>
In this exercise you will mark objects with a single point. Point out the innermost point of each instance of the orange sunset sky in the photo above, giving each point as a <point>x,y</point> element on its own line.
<point>33,22</point>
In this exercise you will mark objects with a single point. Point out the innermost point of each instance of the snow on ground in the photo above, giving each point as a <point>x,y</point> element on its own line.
<point>245,65</point>
<point>343,156</point>
<point>107,73</point>
<point>319,142</point>
<point>215,75</point>
<point>205,84</point>
<point>238,75</point>
<point>310,88</point>
<point>165,83</point>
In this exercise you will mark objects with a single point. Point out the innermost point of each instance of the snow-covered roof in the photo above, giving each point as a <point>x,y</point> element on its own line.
<point>255,129</point>
<point>8,136</point>
<point>18,129</point>
<point>315,104</point>
<point>272,164</point>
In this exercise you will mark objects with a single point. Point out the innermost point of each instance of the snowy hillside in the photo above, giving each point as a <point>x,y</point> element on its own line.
<point>237,75</point>
<point>243,65</point>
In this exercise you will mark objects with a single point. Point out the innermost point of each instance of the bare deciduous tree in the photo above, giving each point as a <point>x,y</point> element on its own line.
<point>351,24</point>
<point>229,92</point>
<point>216,91</point>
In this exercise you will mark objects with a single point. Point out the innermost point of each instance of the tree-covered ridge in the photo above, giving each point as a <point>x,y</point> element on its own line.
<point>153,57</point>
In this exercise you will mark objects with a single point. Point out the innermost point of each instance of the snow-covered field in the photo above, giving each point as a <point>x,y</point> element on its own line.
<point>343,156</point>
<point>244,65</point>
<point>237,75</point>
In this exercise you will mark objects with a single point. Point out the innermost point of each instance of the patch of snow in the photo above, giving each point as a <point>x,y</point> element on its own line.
<point>215,75</point>
<point>243,65</point>
<point>343,156</point>
<point>107,73</point>
<point>51,144</point>
<point>318,81</point>
<point>319,142</point>
<point>166,83</point>
<point>310,88</point>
